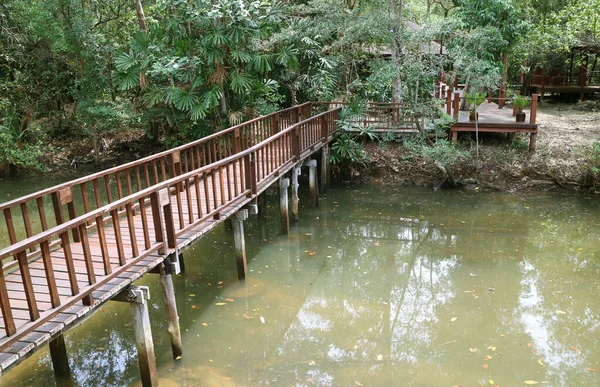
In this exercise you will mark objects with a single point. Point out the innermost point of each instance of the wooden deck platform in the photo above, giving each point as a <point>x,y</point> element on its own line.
<point>495,120</point>
<point>155,207</point>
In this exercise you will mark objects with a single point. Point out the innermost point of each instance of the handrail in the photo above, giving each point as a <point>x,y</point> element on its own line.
<point>102,187</point>
<point>277,151</point>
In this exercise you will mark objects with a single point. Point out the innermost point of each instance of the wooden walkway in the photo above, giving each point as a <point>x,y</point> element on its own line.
<point>132,219</point>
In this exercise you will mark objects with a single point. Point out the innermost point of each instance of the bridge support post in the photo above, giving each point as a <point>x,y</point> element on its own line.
<point>262,205</point>
<point>166,283</point>
<point>283,205</point>
<point>137,297</point>
<point>240,242</point>
<point>325,168</point>
<point>313,187</point>
<point>228,223</point>
<point>60,360</point>
<point>295,197</point>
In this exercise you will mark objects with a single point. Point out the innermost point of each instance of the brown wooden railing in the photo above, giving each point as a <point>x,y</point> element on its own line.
<point>173,193</point>
<point>383,116</point>
<point>30,214</point>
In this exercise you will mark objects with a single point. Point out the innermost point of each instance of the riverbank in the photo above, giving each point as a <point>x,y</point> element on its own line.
<point>564,157</point>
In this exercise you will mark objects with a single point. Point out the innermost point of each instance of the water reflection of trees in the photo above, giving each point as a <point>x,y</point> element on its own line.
<point>400,276</point>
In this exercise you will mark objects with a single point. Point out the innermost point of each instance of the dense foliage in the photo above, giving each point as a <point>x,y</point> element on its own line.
<point>181,69</point>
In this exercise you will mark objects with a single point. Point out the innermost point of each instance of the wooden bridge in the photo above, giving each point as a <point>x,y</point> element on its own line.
<point>74,246</point>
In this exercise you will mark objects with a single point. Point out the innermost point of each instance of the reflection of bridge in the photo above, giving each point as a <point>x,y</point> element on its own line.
<point>79,244</point>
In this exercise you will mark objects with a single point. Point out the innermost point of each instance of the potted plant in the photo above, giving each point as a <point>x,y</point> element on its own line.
<point>520,104</point>
<point>474,99</point>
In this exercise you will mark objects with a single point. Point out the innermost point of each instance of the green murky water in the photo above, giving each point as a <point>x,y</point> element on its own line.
<point>376,287</point>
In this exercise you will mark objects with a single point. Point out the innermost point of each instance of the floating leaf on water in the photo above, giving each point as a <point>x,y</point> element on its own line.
<point>491,382</point>
<point>262,319</point>
<point>560,312</point>
<point>204,324</point>
<point>531,382</point>
<point>473,350</point>
<point>308,233</point>
<point>487,357</point>
<point>380,357</point>
<point>358,383</point>
<point>229,299</point>
<point>194,306</point>
<point>529,345</point>
<point>453,319</point>
<point>491,289</point>
<point>485,366</point>
<point>246,316</point>
<point>590,369</point>
<point>220,303</point>
<point>178,358</point>
<point>574,348</point>
<point>192,295</point>
<point>378,244</point>
<point>540,362</point>
<point>220,282</point>
<point>493,348</point>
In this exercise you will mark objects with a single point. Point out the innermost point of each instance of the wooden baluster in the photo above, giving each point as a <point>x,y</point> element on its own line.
<point>86,202</point>
<point>235,177</point>
<point>108,188</point>
<point>97,194</point>
<point>142,203</point>
<point>66,246</point>
<point>7,316</point>
<point>27,222</point>
<point>60,198</point>
<point>42,213</point>
<point>21,257</point>
<point>206,192</point>
<point>138,179</point>
<point>87,255</point>
<point>214,188</point>
<point>163,169</point>
<point>103,246</point>
<point>128,181</point>
<point>10,227</point>
<point>131,225</point>
<point>119,239</point>
<point>155,169</point>
<point>147,174</point>
<point>188,196</point>
<point>198,196</point>
<point>119,186</point>
<point>48,269</point>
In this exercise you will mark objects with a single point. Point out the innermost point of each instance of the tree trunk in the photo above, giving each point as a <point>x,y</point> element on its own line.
<point>396,11</point>
<point>142,22</point>
<point>504,69</point>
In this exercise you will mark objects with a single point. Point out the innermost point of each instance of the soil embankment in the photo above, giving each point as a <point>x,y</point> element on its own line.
<point>563,157</point>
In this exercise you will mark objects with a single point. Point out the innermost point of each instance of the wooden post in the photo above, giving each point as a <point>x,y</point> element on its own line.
<point>296,171</point>
<point>449,102</point>
<point>501,100</point>
<point>312,182</point>
<point>58,354</point>
<point>166,282</point>
<point>534,103</point>
<point>454,136</point>
<point>532,141</point>
<point>325,167</point>
<point>262,205</point>
<point>514,112</point>
<point>283,205</point>
<point>240,242</point>
<point>137,297</point>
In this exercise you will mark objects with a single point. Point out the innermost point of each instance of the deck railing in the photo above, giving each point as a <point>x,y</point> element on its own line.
<point>149,219</point>
<point>29,214</point>
<point>383,115</point>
